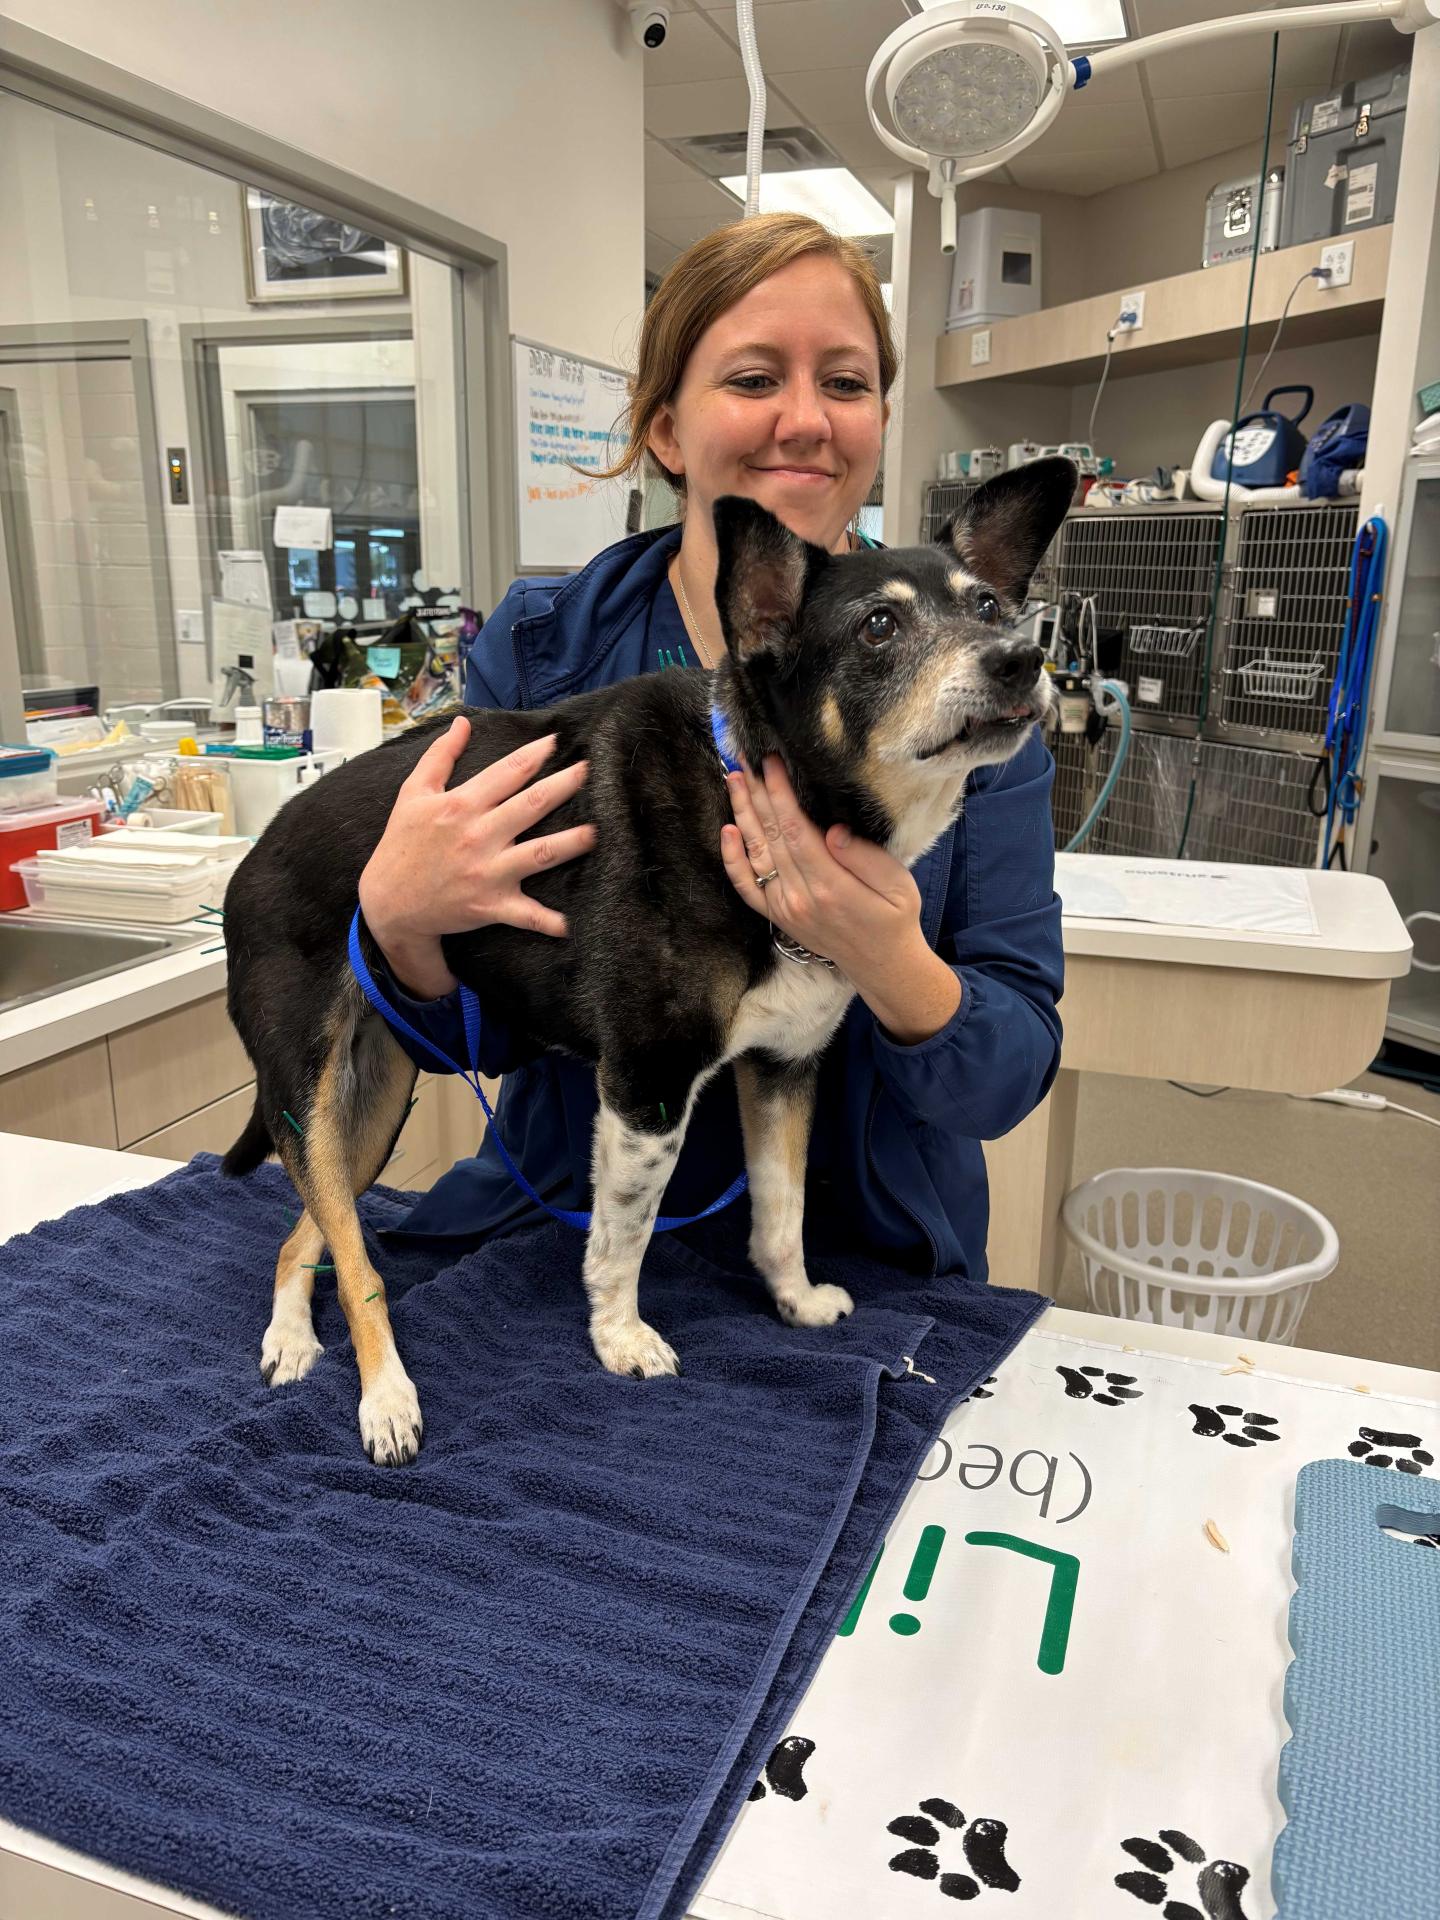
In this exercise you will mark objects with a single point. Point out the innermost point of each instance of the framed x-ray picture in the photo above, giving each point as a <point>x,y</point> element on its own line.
<point>294,253</point>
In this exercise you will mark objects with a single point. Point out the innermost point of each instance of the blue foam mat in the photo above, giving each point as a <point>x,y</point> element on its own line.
<point>1360,1774</point>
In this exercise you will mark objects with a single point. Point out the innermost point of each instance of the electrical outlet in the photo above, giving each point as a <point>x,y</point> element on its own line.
<point>980,347</point>
<point>1132,312</point>
<point>1339,263</point>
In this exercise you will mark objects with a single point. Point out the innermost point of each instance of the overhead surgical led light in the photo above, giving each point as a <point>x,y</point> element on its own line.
<point>961,88</point>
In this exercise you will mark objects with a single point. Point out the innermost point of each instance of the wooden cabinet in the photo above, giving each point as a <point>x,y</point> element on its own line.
<point>181,1084</point>
<point>213,1129</point>
<point>67,1097</point>
<point>174,1065</point>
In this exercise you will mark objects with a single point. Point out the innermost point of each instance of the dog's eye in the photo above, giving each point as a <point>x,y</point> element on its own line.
<point>987,608</point>
<point>879,625</point>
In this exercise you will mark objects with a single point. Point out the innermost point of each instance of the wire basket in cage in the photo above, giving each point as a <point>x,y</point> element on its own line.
<point>1164,643</point>
<point>1288,603</point>
<point>1282,680</point>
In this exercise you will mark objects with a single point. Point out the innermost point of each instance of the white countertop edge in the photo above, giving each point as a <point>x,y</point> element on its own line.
<point>1315,955</point>
<point>44,1028</point>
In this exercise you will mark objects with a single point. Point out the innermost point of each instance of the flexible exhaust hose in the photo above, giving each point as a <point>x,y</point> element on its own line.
<point>755,132</point>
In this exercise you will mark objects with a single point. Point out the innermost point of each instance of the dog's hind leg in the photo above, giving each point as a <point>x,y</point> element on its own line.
<point>777,1106</point>
<point>348,1132</point>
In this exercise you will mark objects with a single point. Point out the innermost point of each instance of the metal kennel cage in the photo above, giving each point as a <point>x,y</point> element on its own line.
<point>940,502</point>
<point>1251,803</point>
<point>1288,594</point>
<point>1152,575</point>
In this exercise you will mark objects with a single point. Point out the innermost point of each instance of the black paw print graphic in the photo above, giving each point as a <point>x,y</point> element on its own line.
<point>785,1770</point>
<point>1219,1883</point>
<point>982,1841</point>
<point>1255,1426</point>
<point>982,1392</point>
<point>1081,1385</point>
<point>1373,1437</point>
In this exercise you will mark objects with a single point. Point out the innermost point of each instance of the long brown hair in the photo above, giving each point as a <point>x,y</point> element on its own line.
<point>706,281</point>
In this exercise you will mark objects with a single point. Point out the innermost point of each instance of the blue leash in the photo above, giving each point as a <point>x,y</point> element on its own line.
<point>1350,695</point>
<point>470,1014</point>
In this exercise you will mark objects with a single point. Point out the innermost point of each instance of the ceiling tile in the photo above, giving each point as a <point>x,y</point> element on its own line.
<point>1089,126</point>
<point>834,93</point>
<point>697,106</point>
<point>693,50</point>
<point>806,36</point>
<point>1307,58</point>
<point>1082,173</point>
<point>680,229</point>
<point>860,147</point>
<point>665,169</point>
<point>696,197</point>
<point>1194,129</point>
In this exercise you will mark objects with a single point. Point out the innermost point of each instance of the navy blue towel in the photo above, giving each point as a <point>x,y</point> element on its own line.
<point>533,1674</point>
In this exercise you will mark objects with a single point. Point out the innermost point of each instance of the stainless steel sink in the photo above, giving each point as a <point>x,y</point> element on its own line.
<point>40,957</point>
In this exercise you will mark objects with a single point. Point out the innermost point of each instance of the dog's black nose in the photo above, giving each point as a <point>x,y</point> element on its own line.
<point>1016,666</point>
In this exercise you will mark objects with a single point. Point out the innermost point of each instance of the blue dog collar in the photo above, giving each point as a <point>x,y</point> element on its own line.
<point>723,745</point>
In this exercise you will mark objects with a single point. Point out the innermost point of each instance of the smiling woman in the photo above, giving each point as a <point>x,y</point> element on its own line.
<point>763,378</point>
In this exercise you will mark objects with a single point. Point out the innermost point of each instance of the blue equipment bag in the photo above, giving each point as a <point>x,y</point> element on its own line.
<point>1337,444</point>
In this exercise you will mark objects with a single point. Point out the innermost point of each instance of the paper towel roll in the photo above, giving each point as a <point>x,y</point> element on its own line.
<point>348,717</point>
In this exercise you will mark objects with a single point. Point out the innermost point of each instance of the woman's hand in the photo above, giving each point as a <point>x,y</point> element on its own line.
<point>448,860</point>
<point>841,897</point>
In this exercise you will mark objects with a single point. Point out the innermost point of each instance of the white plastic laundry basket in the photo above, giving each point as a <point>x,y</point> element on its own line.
<point>1184,1248</point>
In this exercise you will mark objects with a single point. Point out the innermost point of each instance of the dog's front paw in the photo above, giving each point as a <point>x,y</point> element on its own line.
<point>390,1422</point>
<point>816,1307</point>
<point>288,1352</point>
<point>634,1349</point>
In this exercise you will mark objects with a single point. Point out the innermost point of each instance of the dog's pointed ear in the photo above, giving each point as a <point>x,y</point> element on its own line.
<point>760,581</point>
<point>1005,526</point>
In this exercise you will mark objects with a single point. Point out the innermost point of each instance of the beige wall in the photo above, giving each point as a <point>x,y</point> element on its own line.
<point>1156,419</point>
<point>439,102</point>
<point>925,423</point>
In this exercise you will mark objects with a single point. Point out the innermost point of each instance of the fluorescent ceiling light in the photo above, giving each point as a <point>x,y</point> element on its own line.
<point>1079,23</point>
<point>829,194</point>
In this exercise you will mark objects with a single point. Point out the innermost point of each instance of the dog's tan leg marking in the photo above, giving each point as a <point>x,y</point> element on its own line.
<point>289,1348</point>
<point>358,1104</point>
<point>630,1171</point>
<point>775,1118</point>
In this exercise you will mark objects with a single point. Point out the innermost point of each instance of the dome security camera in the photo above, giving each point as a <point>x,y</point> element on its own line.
<point>650,23</point>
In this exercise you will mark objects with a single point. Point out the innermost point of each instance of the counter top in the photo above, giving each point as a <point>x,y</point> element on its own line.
<point>1360,937</point>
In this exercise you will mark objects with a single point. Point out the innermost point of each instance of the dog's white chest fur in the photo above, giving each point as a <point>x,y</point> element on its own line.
<point>792,1014</point>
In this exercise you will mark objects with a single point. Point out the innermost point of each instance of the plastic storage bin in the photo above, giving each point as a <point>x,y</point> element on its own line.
<point>28,779</point>
<point>41,828</point>
<point>1183,1248</point>
<point>124,884</point>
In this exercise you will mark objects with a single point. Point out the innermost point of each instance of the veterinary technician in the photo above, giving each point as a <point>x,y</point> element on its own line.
<point>765,360</point>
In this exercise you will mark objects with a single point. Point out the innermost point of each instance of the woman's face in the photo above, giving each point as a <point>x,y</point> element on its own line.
<point>780,400</point>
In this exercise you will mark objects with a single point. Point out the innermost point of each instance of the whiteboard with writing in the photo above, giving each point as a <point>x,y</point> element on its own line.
<point>567,415</point>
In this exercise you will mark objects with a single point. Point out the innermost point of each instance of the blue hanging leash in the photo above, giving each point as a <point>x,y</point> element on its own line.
<point>470,1015</point>
<point>1350,695</point>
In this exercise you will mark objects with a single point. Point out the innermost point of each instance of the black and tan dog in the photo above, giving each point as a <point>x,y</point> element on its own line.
<point>882,678</point>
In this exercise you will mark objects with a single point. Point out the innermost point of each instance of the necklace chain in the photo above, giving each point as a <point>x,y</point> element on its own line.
<point>695,632</point>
